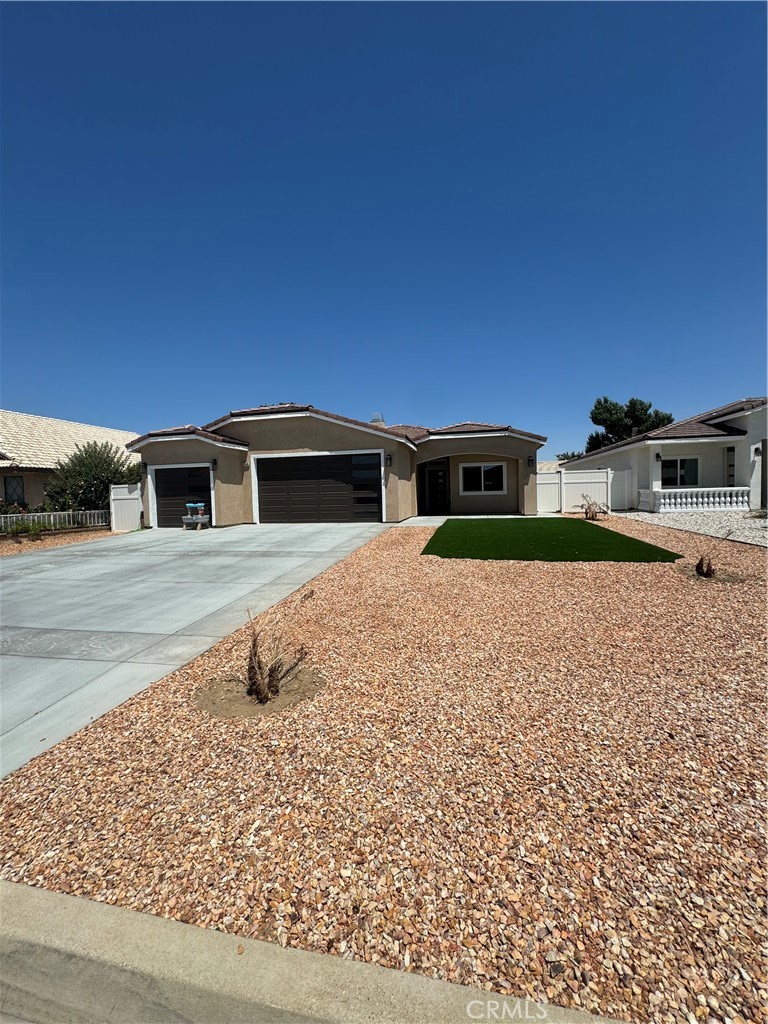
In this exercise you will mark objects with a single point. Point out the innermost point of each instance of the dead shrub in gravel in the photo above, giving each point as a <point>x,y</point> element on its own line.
<point>269,665</point>
<point>704,566</point>
<point>591,508</point>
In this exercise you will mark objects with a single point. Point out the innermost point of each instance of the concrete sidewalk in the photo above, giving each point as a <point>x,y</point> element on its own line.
<point>86,626</point>
<point>67,960</point>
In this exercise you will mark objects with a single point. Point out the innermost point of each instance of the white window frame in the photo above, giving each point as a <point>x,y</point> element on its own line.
<point>482,465</point>
<point>309,455</point>
<point>678,459</point>
<point>152,487</point>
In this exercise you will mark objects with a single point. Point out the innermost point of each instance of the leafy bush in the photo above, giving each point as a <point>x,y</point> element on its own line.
<point>8,508</point>
<point>26,529</point>
<point>83,480</point>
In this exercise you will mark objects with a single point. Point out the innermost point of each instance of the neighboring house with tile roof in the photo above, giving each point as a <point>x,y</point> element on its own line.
<point>31,446</point>
<point>296,463</point>
<point>713,460</point>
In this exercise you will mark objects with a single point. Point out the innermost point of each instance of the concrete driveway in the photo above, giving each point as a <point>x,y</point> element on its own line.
<point>86,626</point>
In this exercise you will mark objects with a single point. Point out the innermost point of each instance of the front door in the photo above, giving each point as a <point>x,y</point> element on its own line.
<point>434,488</point>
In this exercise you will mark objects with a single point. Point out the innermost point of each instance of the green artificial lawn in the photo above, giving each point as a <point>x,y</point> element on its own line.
<point>540,540</point>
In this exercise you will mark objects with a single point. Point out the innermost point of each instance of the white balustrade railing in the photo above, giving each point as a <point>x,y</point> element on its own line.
<point>695,499</point>
<point>54,520</point>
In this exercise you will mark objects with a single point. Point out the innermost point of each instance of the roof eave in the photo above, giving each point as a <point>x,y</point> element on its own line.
<point>147,439</point>
<point>538,439</point>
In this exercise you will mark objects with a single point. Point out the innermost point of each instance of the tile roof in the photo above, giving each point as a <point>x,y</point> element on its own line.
<point>188,429</point>
<point>702,425</point>
<point>402,431</point>
<point>409,430</point>
<point>468,427</point>
<point>39,442</point>
<point>289,407</point>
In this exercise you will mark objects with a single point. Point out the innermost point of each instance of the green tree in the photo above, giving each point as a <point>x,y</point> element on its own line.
<point>620,422</point>
<point>82,481</point>
<point>567,456</point>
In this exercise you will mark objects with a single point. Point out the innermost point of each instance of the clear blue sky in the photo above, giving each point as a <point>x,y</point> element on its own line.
<point>436,211</point>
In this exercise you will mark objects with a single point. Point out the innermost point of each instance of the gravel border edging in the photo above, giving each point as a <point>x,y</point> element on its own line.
<point>67,959</point>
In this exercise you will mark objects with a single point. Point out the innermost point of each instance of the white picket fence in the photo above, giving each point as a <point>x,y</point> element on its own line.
<point>125,507</point>
<point>56,520</point>
<point>562,490</point>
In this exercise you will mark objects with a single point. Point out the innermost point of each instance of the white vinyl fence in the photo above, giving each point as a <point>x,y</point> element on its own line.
<point>55,520</point>
<point>562,491</point>
<point>125,507</point>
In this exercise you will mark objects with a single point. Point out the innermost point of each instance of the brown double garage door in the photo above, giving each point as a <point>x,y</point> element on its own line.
<point>320,489</point>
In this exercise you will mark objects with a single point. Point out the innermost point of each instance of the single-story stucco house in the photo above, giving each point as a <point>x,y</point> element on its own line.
<point>293,463</point>
<point>715,460</point>
<point>31,446</point>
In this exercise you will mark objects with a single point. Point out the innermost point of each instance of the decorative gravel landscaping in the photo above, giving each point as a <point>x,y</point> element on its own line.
<point>540,540</point>
<point>540,778</point>
<point>23,545</point>
<point>747,527</point>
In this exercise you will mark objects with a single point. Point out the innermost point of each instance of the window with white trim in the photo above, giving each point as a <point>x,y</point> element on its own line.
<point>482,478</point>
<point>679,472</point>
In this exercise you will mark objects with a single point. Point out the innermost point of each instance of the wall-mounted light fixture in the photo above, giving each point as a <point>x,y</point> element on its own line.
<point>530,462</point>
<point>388,459</point>
<point>214,464</point>
<point>658,456</point>
<point>758,451</point>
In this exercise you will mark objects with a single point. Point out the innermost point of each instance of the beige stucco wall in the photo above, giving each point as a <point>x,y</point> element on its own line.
<point>228,477</point>
<point>484,504</point>
<point>34,486</point>
<point>233,483</point>
<point>521,478</point>
<point>290,434</point>
<point>309,434</point>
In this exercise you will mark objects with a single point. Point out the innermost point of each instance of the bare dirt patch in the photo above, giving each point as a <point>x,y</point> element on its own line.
<point>542,779</point>
<point>226,698</point>
<point>20,546</point>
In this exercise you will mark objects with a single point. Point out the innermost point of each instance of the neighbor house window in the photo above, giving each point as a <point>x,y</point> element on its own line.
<point>679,472</point>
<point>14,490</point>
<point>483,478</point>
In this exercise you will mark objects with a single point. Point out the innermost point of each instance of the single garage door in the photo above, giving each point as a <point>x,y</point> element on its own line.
<point>320,489</point>
<point>175,487</point>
